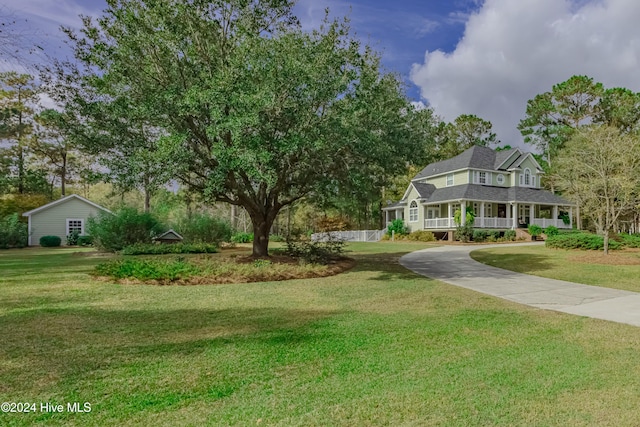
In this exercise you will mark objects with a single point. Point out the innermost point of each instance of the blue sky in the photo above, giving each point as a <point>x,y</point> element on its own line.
<point>483,57</point>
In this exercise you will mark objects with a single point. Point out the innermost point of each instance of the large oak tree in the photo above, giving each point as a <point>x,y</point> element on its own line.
<point>250,109</point>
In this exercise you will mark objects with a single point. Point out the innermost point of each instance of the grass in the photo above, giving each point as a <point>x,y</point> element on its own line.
<point>618,270</point>
<point>376,345</point>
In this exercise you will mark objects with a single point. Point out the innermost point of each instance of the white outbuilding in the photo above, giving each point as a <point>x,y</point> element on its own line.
<point>61,218</point>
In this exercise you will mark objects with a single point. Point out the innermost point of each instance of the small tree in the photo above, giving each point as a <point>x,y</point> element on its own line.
<point>600,169</point>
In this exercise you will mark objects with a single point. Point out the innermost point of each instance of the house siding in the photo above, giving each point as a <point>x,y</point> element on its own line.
<point>440,181</point>
<point>53,221</point>
<point>528,163</point>
<point>417,225</point>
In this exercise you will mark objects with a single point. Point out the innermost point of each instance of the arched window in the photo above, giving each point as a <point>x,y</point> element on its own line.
<point>527,177</point>
<point>413,212</point>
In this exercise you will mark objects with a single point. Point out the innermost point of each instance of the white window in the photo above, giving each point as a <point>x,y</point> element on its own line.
<point>449,180</point>
<point>476,209</point>
<point>75,225</point>
<point>533,181</point>
<point>488,207</point>
<point>454,208</point>
<point>413,212</point>
<point>521,179</point>
<point>500,179</point>
<point>527,177</point>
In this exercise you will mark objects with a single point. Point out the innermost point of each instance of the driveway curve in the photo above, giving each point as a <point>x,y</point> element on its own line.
<point>453,265</point>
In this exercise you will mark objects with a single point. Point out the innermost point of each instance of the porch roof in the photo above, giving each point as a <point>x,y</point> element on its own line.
<point>495,194</point>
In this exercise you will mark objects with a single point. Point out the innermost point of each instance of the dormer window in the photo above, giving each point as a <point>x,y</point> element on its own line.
<point>449,180</point>
<point>527,179</point>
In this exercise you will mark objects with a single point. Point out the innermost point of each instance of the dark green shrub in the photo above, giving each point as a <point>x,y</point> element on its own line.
<point>551,231</point>
<point>316,252</point>
<point>13,233</point>
<point>72,239</point>
<point>85,241</point>
<point>242,237</point>
<point>421,236</point>
<point>535,230</point>
<point>510,235</point>
<point>494,235</point>
<point>480,235</point>
<point>175,248</point>
<point>203,228</point>
<point>50,241</point>
<point>397,227</point>
<point>630,240</point>
<point>585,241</point>
<point>464,233</point>
<point>148,269</point>
<point>127,226</point>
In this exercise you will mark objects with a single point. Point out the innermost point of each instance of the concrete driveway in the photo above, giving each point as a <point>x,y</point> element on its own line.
<point>453,265</point>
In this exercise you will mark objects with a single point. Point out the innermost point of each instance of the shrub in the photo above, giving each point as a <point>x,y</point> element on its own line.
<point>50,241</point>
<point>551,231</point>
<point>494,235</point>
<point>510,235</point>
<point>72,239</point>
<point>586,241</point>
<point>13,233</point>
<point>397,227</point>
<point>630,240</point>
<point>202,228</point>
<point>242,237</point>
<point>148,269</point>
<point>276,238</point>
<point>464,233</point>
<point>176,248</point>
<point>316,252</point>
<point>127,226</point>
<point>85,241</point>
<point>421,236</point>
<point>480,235</point>
<point>535,230</point>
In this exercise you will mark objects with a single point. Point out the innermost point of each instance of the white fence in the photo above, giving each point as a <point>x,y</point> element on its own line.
<point>351,236</point>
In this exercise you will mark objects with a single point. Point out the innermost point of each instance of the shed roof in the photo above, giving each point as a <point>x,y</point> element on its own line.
<point>64,200</point>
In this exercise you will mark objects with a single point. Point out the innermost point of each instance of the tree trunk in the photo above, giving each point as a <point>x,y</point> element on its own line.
<point>262,223</point>
<point>578,222</point>
<point>234,217</point>
<point>63,175</point>
<point>606,243</point>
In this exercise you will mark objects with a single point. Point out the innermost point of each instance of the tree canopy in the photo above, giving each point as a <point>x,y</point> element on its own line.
<point>247,108</point>
<point>599,168</point>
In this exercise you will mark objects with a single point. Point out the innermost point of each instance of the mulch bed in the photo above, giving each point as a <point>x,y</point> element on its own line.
<point>617,257</point>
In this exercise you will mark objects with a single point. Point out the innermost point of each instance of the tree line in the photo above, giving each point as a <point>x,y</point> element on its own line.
<point>234,102</point>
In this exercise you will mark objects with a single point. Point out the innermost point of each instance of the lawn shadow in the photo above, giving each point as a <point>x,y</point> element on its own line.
<point>385,264</point>
<point>71,344</point>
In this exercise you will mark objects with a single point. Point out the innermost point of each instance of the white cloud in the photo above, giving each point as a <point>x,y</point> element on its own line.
<point>513,50</point>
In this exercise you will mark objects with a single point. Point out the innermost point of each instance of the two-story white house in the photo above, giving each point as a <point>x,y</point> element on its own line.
<point>503,187</point>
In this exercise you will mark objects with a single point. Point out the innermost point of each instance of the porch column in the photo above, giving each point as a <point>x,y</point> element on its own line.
<point>463,212</point>
<point>450,215</point>
<point>532,213</point>
<point>514,216</point>
<point>570,216</point>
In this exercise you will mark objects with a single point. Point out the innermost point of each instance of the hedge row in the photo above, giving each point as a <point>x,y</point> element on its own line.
<point>175,248</point>
<point>587,241</point>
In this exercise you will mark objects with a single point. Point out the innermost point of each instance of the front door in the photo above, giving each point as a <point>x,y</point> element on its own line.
<point>432,213</point>
<point>502,211</point>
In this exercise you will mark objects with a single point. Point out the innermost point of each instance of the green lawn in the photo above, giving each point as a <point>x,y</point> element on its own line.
<point>587,267</point>
<point>377,345</point>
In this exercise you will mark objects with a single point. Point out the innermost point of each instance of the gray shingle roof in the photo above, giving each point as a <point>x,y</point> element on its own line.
<point>475,157</point>
<point>495,194</point>
<point>424,190</point>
